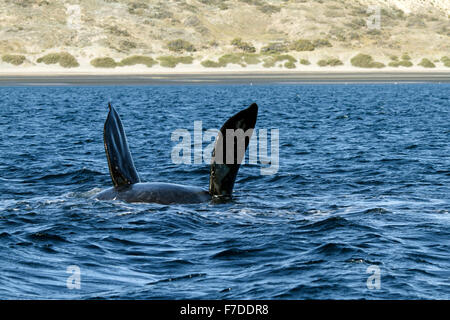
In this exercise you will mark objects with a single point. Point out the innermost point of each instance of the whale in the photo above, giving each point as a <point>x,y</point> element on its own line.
<point>225,163</point>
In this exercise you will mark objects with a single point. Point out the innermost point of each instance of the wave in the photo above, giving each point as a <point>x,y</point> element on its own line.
<point>71,177</point>
<point>334,248</point>
<point>46,236</point>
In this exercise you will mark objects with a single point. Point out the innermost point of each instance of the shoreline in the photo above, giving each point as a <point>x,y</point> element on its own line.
<point>220,77</point>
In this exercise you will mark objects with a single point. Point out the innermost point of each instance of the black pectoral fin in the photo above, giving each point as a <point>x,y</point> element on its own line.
<point>120,161</point>
<point>229,150</point>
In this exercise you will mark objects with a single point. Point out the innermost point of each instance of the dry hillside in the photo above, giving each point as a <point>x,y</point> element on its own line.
<point>245,31</point>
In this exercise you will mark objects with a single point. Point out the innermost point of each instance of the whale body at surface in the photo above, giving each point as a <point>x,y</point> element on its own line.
<point>129,188</point>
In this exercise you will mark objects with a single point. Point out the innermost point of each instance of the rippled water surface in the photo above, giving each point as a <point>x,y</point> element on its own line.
<point>363,182</point>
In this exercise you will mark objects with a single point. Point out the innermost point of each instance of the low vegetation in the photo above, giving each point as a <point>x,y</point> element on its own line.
<point>402,63</point>
<point>104,62</point>
<point>365,61</point>
<point>272,60</point>
<point>305,62</point>
<point>446,61</point>
<point>65,59</point>
<point>244,46</point>
<point>133,60</point>
<point>406,56</point>
<point>242,59</point>
<point>180,45</point>
<point>405,62</point>
<point>210,64</point>
<point>274,48</point>
<point>321,43</point>
<point>231,59</point>
<point>13,59</point>
<point>51,58</point>
<point>290,65</point>
<point>250,58</point>
<point>427,63</point>
<point>331,62</point>
<point>302,45</point>
<point>172,62</point>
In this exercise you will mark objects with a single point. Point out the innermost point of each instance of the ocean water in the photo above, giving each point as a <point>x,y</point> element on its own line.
<point>358,209</point>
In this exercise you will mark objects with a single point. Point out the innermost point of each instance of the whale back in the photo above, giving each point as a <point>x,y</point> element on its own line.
<point>120,161</point>
<point>229,151</point>
<point>156,192</point>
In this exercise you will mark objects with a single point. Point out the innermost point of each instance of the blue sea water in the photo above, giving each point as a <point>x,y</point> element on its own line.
<point>362,194</point>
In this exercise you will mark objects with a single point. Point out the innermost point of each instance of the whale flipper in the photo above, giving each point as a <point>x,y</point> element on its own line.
<point>120,161</point>
<point>226,160</point>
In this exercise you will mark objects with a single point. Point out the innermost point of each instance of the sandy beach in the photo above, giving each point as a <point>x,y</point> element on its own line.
<point>220,77</point>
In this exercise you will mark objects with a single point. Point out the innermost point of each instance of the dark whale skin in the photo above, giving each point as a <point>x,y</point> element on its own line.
<point>129,188</point>
<point>162,193</point>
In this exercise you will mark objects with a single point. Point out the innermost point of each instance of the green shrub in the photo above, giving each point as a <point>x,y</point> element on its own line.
<point>339,34</point>
<point>401,63</point>
<point>394,64</point>
<point>231,58</point>
<point>269,9</point>
<point>365,61</point>
<point>211,64</point>
<point>180,45</point>
<point>269,63</point>
<point>65,59</point>
<point>13,59</point>
<point>236,42</point>
<point>172,62</point>
<point>302,45</point>
<point>305,62</point>
<point>332,62</point>
<point>251,58</point>
<point>446,61</point>
<point>50,58</point>
<point>274,48</point>
<point>378,65</point>
<point>405,56</point>
<point>290,65</point>
<point>320,43</point>
<point>394,58</point>
<point>272,60</point>
<point>362,61</point>
<point>426,63</point>
<point>244,46</point>
<point>322,63</point>
<point>241,59</point>
<point>133,60</point>
<point>105,62</point>
<point>405,63</point>
<point>127,45</point>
